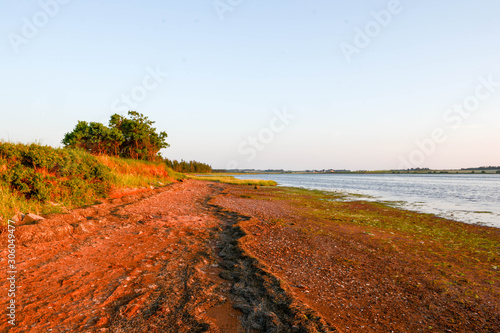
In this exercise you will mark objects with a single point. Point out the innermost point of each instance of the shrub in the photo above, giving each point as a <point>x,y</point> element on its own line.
<point>43,173</point>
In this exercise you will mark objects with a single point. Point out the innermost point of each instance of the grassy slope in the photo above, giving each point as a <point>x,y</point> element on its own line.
<point>131,173</point>
<point>43,180</point>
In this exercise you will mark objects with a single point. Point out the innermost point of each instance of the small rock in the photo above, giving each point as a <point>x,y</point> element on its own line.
<point>17,218</point>
<point>31,218</point>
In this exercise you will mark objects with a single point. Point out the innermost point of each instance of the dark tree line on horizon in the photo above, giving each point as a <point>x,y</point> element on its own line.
<point>483,168</point>
<point>189,167</point>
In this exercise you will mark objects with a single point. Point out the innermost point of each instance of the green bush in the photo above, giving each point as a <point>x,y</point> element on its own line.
<point>44,173</point>
<point>28,182</point>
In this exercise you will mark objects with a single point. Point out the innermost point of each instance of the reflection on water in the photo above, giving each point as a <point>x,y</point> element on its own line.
<point>466,198</point>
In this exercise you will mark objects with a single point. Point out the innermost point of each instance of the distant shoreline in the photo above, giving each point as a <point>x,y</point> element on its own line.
<point>392,172</point>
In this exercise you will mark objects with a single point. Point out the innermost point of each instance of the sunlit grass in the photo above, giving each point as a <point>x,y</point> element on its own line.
<point>235,181</point>
<point>130,173</point>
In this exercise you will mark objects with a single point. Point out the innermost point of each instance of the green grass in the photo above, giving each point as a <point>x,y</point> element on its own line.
<point>235,181</point>
<point>11,202</point>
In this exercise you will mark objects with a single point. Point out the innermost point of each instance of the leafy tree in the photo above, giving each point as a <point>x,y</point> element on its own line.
<point>140,140</point>
<point>97,135</point>
<point>78,138</point>
<point>114,139</point>
<point>132,137</point>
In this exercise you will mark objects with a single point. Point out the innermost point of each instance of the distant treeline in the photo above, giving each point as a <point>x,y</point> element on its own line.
<point>483,168</point>
<point>191,166</point>
<point>416,169</point>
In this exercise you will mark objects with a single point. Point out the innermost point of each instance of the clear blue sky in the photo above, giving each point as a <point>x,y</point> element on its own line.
<point>226,78</point>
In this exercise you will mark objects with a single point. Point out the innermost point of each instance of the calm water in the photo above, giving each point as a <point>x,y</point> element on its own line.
<point>466,198</point>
